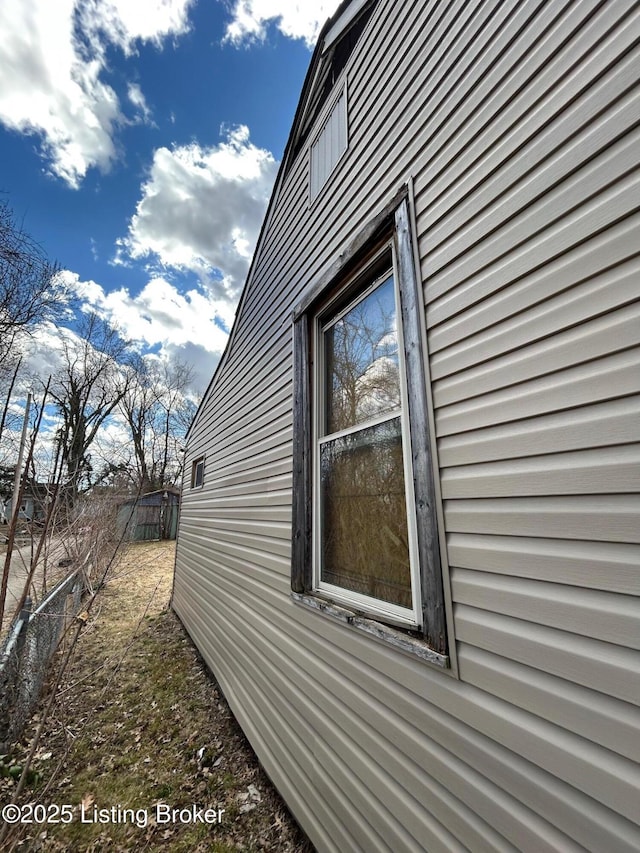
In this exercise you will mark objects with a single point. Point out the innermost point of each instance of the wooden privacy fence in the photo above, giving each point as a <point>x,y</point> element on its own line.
<point>150,516</point>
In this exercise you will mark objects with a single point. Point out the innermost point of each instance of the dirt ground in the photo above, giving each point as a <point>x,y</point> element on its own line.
<point>140,742</point>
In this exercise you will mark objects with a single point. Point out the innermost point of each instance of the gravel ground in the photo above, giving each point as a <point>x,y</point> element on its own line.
<point>138,729</point>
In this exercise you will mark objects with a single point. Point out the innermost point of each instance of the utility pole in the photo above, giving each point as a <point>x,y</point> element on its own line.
<point>15,503</point>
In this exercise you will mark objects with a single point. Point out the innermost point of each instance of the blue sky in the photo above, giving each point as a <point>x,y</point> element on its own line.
<point>139,142</point>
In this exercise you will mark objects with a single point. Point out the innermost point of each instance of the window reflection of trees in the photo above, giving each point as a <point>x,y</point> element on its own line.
<point>361,352</point>
<point>364,540</point>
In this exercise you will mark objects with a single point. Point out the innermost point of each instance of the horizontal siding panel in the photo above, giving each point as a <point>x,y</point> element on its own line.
<point>592,663</point>
<point>616,331</point>
<point>265,425</point>
<point>253,499</point>
<point>605,379</point>
<point>612,724</point>
<point>269,358</point>
<point>505,725</point>
<point>455,716</point>
<point>606,292</point>
<point>243,511</point>
<point>613,518</point>
<point>250,527</point>
<point>261,394</point>
<point>587,472</point>
<point>323,219</point>
<point>272,443</point>
<point>529,88</point>
<point>593,565</point>
<point>614,422</point>
<point>602,256</point>
<point>474,281</point>
<point>268,483</point>
<point>244,556</point>
<point>237,417</point>
<point>550,188</point>
<point>589,613</point>
<point>522,221</point>
<point>269,464</point>
<point>272,538</point>
<point>502,809</point>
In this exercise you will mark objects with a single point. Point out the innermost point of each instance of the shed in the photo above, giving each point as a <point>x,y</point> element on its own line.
<point>409,542</point>
<point>150,516</point>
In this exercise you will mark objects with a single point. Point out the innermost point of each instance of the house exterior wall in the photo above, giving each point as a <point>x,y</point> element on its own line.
<point>515,126</point>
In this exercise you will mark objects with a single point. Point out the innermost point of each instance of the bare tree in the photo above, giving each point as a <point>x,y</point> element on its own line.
<point>88,389</point>
<point>9,377</point>
<point>31,289</point>
<point>158,412</point>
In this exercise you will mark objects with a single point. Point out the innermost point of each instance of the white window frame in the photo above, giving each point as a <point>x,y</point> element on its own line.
<point>197,465</point>
<point>393,613</point>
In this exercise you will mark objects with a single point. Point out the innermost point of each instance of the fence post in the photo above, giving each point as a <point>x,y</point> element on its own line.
<point>25,613</point>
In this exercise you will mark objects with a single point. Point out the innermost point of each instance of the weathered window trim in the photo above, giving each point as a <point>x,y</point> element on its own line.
<point>394,225</point>
<point>401,640</point>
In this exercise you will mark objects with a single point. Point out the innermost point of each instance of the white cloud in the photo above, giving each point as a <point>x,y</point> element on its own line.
<point>159,314</point>
<point>52,57</point>
<point>201,209</point>
<point>123,22</point>
<point>136,97</point>
<point>43,354</point>
<point>190,326</point>
<point>294,19</point>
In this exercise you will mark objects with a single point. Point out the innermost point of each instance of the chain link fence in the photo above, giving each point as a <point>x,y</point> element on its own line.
<point>31,642</point>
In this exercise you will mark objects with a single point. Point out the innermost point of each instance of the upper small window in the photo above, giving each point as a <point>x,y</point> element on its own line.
<point>333,52</point>
<point>197,472</point>
<point>329,145</point>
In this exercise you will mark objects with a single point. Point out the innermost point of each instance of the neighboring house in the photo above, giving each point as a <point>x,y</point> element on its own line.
<point>150,516</point>
<point>34,503</point>
<point>418,587</point>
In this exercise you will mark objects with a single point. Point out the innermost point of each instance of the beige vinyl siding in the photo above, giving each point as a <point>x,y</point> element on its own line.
<point>517,125</point>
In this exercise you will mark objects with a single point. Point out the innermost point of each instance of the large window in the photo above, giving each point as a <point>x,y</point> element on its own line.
<point>365,534</point>
<point>362,532</point>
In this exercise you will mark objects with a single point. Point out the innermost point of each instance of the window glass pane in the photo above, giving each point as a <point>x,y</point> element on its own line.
<point>364,519</point>
<point>361,358</point>
<point>198,473</point>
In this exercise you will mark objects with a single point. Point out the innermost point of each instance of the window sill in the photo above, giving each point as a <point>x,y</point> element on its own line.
<point>384,633</point>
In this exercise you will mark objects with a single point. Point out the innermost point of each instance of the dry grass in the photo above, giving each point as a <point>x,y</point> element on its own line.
<point>138,721</point>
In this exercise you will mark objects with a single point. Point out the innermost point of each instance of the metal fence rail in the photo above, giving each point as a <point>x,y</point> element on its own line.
<point>31,642</point>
